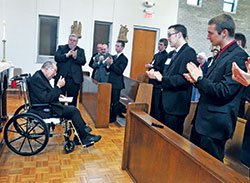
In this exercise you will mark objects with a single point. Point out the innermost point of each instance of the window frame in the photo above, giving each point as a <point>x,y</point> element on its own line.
<point>233,6</point>
<point>198,3</point>
<point>44,58</point>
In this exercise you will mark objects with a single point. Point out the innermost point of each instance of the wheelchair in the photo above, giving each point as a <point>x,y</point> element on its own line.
<point>27,134</point>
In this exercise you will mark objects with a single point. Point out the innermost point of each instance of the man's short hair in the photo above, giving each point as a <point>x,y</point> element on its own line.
<point>47,64</point>
<point>242,37</point>
<point>122,43</point>
<point>73,35</point>
<point>105,44</point>
<point>180,28</point>
<point>223,21</point>
<point>164,41</point>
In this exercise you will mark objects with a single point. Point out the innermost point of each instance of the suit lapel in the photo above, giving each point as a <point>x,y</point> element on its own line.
<point>221,58</point>
<point>174,61</point>
<point>45,79</point>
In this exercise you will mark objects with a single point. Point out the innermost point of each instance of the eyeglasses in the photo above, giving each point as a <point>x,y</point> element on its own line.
<point>72,40</point>
<point>170,34</point>
<point>54,70</point>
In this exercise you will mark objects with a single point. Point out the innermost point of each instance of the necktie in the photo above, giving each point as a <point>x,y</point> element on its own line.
<point>173,55</point>
<point>158,56</point>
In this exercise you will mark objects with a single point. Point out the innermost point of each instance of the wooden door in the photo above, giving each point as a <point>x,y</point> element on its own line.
<point>143,51</point>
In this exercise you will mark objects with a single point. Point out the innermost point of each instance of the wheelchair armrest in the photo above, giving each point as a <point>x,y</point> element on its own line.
<point>40,105</point>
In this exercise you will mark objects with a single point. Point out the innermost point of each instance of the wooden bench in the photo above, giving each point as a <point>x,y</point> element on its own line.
<point>136,91</point>
<point>152,154</point>
<point>95,98</point>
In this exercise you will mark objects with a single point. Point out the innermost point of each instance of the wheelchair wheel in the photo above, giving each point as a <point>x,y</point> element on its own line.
<point>69,146</point>
<point>22,109</point>
<point>26,134</point>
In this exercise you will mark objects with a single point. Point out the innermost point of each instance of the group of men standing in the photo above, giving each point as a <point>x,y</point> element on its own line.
<point>172,75</point>
<point>217,110</point>
<point>107,68</point>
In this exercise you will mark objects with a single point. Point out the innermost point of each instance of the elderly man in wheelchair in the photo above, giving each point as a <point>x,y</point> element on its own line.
<point>44,105</point>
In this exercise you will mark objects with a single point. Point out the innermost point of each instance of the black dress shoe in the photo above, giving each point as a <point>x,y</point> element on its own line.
<point>112,120</point>
<point>121,115</point>
<point>87,129</point>
<point>91,138</point>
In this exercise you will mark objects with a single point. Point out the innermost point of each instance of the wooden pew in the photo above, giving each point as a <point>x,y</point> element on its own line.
<point>136,91</point>
<point>95,98</point>
<point>188,120</point>
<point>158,155</point>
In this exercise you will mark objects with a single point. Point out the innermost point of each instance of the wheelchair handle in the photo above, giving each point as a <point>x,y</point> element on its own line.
<point>19,77</point>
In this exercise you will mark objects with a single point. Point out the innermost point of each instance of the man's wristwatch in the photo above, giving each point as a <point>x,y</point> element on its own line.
<point>199,78</point>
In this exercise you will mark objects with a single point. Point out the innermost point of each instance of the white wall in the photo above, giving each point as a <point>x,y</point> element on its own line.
<point>22,24</point>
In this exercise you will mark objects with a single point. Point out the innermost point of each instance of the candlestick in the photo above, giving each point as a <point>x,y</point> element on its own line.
<point>4,27</point>
<point>4,60</point>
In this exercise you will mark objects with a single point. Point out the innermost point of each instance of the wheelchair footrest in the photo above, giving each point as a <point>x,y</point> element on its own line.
<point>88,144</point>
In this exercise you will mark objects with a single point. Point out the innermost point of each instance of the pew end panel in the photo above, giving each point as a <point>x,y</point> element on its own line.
<point>132,106</point>
<point>152,154</point>
<point>136,91</point>
<point>95,98</point>
<point>103,105</point>
<point>144,94</point>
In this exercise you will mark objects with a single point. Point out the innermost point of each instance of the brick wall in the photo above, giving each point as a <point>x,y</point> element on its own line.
<point>196,19</point>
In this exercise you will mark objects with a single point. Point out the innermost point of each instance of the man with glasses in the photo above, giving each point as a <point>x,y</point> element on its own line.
<point>70,58</point>
<point>177,91</point>
<point>41,92</point>
<point>100,64</point>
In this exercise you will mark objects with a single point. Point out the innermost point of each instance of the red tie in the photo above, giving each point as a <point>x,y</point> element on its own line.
<point>158,56</point>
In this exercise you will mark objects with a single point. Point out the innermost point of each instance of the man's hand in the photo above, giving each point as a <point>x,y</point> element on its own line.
<point>194,71</point>
<point>149,66</point>
<point>151,74</point>
<point>74,54</point>
<point>69,53</point>
<point>240,75</point>
<point>188,77</point>
<point>158,76</point>
<point>62,96</point>
<point>60,82</point>
<point>109,61</point>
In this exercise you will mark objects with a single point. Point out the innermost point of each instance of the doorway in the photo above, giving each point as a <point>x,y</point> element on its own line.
<point>143,50</point>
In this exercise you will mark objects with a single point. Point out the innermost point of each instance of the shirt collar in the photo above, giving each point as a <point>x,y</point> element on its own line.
<point>179,47</point>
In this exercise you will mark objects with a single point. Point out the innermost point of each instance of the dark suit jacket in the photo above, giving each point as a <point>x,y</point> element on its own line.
<point>158,65</point>
<point>91,65</point>
<point>68,66</point>
<point>116,72</point>
<point>177,91</point>
<point>41,92</point>
<point>218,107</point>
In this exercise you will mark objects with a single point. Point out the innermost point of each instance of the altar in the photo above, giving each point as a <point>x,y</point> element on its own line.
<point>4,77</point>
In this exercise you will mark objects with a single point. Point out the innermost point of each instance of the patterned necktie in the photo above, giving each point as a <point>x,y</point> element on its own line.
<point>173,55</point>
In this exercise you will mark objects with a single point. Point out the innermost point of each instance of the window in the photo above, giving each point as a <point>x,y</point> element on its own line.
<point>230,5</point>
<point>102,34</point>
<point>194,2</point>
<point>48,36</point>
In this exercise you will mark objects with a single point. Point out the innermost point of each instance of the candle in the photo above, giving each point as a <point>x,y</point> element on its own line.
<point>4,26</point>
